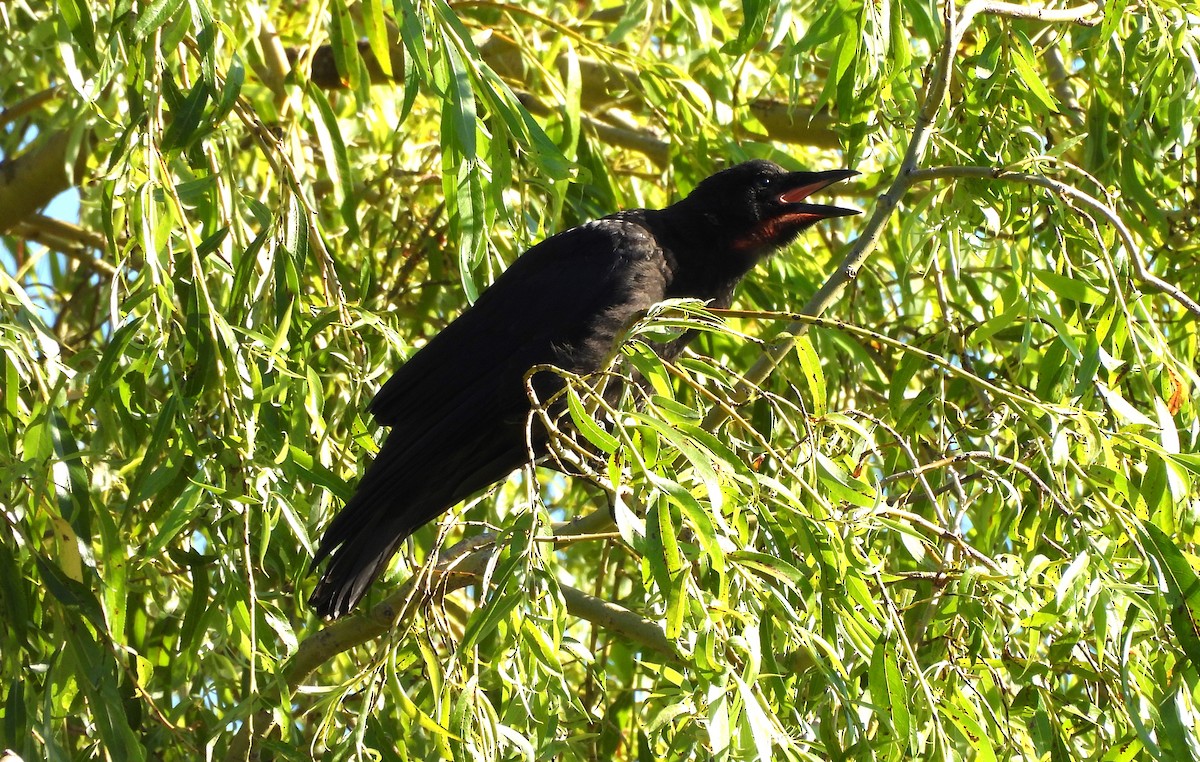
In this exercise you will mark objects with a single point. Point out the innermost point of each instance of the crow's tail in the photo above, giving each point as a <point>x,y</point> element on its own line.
<point>352,568</point>
<point>397,496</point>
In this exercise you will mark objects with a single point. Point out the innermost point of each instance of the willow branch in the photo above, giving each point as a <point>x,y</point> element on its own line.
<point>1092,204</point>
<point>462,565</point>
<point>29,181</point>
<point>66,239</point>
<point>937,85</point>
<point>29,105</point>
<point>983,455</point>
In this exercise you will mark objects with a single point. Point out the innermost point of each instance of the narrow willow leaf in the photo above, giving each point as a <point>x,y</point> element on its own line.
<point>106,372</point>
<point>810,365</point>
<point>771,567</point>
<point>1121,407</point>
<point>1113,13</point>
<point>154,16</point>
<point>888,690</point>
<point>1022,58</point>
<point>178,517</point>
<point>377,37</point>
<point>344,43</point>
<point>312,470</point>
<point>1182,588</point>
<point>959,712</point>
<point>1071,288</point>
<point>72,593</point>
<point>461,103</point>
<point>337,162</point>
<point>699,460</point>
<point>587,425</point>
<point>842,486</point>
<point>762,730</point>
<point>754,22</point>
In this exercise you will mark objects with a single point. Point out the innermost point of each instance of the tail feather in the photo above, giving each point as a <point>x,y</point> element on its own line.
<point>364,536</point>
<point>352,569</point>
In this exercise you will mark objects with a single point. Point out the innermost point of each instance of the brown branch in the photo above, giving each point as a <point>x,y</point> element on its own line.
<point>982,455</point>
<point>1060,81</point>
<point>66,232</point>
<point>275,64</point>
<point>604,84</point>
<point>462,565</point>
<point>644,142</point>
<point>787,123</point>
<point>937,85</point>
<point>29,181</point>
<point>1087,14</point>
<point>1071,193</point>
<point>65,238</point>
<point>28,105</point>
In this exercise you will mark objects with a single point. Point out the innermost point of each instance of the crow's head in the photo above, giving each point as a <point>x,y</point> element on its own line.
<point>758,206</point>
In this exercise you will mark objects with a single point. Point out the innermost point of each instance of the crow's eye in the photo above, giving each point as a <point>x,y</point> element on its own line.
<point>762,182</point>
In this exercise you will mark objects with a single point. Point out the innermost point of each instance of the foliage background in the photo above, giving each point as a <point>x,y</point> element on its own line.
<point>957,520</point>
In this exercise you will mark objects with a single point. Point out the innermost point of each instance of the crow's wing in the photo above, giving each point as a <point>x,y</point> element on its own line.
<point>556,304</point>
<point>458,406</point>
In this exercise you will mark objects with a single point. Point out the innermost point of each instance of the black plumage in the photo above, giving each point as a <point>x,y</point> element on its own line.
<point>458,408</point>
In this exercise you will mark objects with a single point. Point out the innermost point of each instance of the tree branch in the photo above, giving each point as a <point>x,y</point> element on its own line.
<point>937,84</point>
<point>30,104</point>
<point>960,457</point>
<point>604,84</point>
<point>462,565</point>
<point>29,181</point>
<point>65,238</point>
<point>1072,193</point>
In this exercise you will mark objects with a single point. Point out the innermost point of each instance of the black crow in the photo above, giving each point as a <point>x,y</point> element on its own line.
<point>458,408</point>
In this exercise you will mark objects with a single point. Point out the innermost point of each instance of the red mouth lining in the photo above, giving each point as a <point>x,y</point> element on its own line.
<point>796,195</point>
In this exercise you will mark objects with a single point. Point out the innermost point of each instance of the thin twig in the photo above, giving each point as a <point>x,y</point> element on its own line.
<point>1090,202</point>
<point>936,86</point>
<point>983,455</point>
<point>941,532</point>
<point>462,565</point>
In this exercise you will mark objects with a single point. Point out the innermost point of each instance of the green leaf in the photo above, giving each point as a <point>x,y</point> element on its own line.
<point>771,567</point>
<point>153,16</point>
<point>377,37</point>
<point>842,486</point>
<point>343,41</point>
<point>587,425</point>
<point>485,621</point>
<point>74,595</point>
<point>810,364</point>
<point>960,713</point>
<point>754,22</point>
<point>1022,58</point>
<point>1113,13</point>
<point>185,120</point>
<point>106,373</point>
<point>889,691</point>
<point>1071,288</point>
<point>1182,587</point>
<point>78,19</point>
<point>762,731</point>
<point>337,162</point>
<point>178,517</point>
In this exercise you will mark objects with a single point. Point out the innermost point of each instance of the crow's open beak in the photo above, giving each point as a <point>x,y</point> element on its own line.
<point>804,184</point>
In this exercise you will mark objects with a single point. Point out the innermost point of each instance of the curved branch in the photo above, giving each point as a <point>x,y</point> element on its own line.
<point>1016,465</point>
<point>937,85</point>
<point>30,104</point>
<point>463,565</point>
<point>1083,199</point>
<point>31,180</point>
<point>67,239</point>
